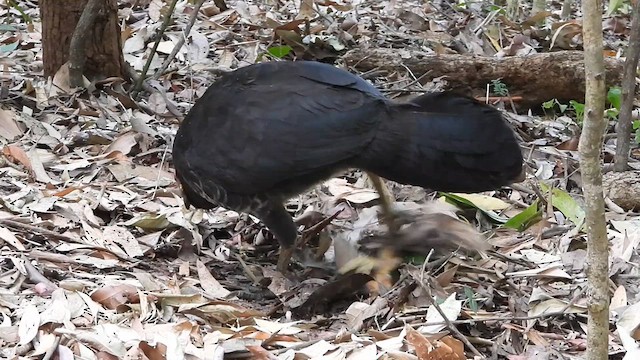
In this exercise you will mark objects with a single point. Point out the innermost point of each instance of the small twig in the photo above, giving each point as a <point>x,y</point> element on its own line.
<point>58,236</point>
<point>416,80</point>
<point>39,230</point>
<point>161,31</point>
<point>448,322</point>
<point>484,22</point>
<point>164,156</point>
<point>305,344</point>
<point>574,299</point>
<point>317,227</point>
<point>36,277</point>
<point>103,188</point>
<point>404,91</point>
<point>484,320</point>
<point>181,40</point>
<point>239,44</point>
<point>170,106</point>
<point>301,345</point>
<point>500,98</point>
<point>246,269</point>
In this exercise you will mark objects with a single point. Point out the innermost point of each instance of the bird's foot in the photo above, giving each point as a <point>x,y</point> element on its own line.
<point>386,262</point>
<point>379,267</point>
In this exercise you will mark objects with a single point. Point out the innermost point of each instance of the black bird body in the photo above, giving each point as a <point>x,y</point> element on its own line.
<point>269,131</point>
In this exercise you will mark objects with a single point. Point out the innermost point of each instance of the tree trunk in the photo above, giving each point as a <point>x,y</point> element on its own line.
<point>534,78</point>
<point>590,149</point>
<point>102,45</point>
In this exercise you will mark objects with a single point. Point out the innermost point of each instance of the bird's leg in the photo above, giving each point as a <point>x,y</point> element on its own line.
<point>281,225</point>
<point>385,203</point>
<point>284,258</point>
<point>388,260</point>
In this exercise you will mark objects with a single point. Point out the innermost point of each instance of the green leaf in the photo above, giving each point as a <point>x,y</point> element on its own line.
<point>27,19</point>
<point>280,51</point>
<point>149,222</point>
<point>578,108</point>
<point>562,107</point>
<point>564,202</point>
<point>614,96</point>
<point>549,104</point>
<point>499,87</point>
<point>458,200</point>
<point>635,124</point>
<point>637,136</point>
<point>484,202</point>
<point>415,259</point>
<point>613,6</point>
<point>473,304</point>
<point>526,218</point>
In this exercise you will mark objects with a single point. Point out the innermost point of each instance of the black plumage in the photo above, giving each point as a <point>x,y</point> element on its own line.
<point>269,131</point>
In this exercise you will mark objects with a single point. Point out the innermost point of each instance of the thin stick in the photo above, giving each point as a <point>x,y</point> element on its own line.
<point>174,52</point>
<point>161,31</point>
<point>448,322</point>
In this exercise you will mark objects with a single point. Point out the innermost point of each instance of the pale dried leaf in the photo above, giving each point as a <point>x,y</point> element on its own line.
<point>209,284</point>
<point>29,324</point>
<point>8,236</point>
<point>451,309</point>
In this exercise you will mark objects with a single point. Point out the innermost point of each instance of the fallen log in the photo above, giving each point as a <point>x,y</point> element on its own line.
<point>535,78</point>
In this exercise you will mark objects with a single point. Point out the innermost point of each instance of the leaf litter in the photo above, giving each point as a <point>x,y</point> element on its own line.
<point>100,259</point>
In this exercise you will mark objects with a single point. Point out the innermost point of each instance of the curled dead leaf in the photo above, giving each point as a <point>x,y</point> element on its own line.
<point>112,297</point>
<point>16,155</point>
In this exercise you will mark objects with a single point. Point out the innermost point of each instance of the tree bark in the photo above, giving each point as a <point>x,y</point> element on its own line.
<point>623,128</point>
<point>590,149</point>
<point>536,78</point>
<point>102,44</point>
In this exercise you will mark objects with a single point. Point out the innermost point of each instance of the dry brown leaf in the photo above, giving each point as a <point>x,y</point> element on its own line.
<point>111,297</point>
<point>260,353</point>
<point>422,346</point>
<point>17,155</point>
<point>157,352</point>
<point>456,346</point>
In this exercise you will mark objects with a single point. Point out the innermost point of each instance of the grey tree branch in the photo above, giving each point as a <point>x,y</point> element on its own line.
<point>623,128</point>
<point>590,149</point>
<point>77,46</point>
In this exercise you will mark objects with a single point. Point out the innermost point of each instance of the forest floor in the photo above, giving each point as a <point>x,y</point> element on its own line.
<point>99,258</point>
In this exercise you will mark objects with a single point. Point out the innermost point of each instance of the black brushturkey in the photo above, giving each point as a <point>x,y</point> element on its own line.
<point>269,131</point>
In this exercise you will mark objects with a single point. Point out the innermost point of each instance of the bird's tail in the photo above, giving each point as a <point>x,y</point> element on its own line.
<point>445,142</point>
